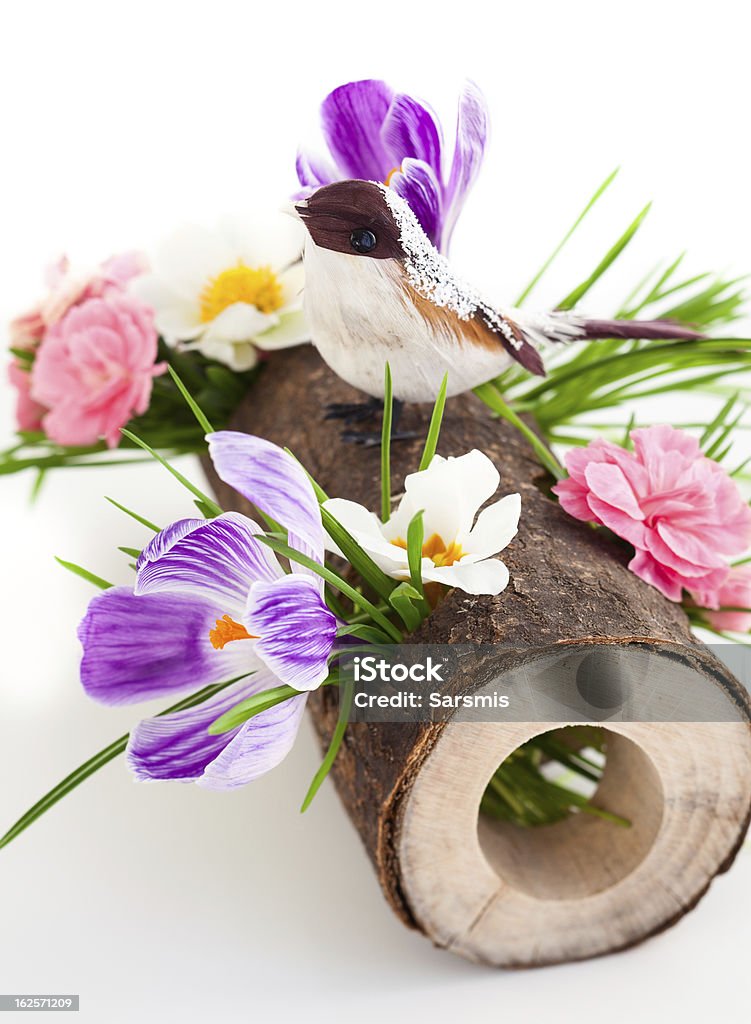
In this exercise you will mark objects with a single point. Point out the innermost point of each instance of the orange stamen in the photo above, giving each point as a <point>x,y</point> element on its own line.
<point>436,550</point>
<point>390,175</point>
<point>226,630</point>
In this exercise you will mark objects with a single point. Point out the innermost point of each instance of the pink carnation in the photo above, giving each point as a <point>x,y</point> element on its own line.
<point>26,330</point>
<point>679,509</point>
<point>735,592</point>
<point>66,288</point>
<point>94,369</point>
<point>69,286</point>
<point>28,412</point>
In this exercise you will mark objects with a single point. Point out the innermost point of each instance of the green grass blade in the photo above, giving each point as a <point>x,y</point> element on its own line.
<point>84,574</point>
<point>195,408</point>
<point>37,485</point>
<point>134,515</point>
<point>408,603</point>
<point>415,536</point>
<point>546,265</point>
<point>388,412</point>
<point>625,311</point>
<point>431,441</point>
<point>722,437</point>
<point>251,707</point>
<point>490,395</point>
<point>206,510</point>
<point>195,491</point>
<point>370,634</point>
<point>63,788</point>
<point>357,558</point>
<point>607,261</point>
<point>319,491</point>
<point>345,708</point>
<point>335,581</point>
<point>88,768</point>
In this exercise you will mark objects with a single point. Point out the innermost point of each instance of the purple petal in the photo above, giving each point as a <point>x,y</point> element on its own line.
<point>314,171</point>
<point>419,186</point>
<point>262,743</point>
<point>179,746</point>
<point>217,560</point>
<point>164,540</point>
<point>411,130</point>
<point>471,136</point>
<point>136,648</point>
<point>295,627</point>
<point>352,117</point>
<point>272,481</point>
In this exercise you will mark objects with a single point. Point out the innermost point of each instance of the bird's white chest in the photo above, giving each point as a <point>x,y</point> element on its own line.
<point>361,318</point>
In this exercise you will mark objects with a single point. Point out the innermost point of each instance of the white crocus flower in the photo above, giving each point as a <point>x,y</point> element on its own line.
<point>230,291</point>
<point>457,549</point>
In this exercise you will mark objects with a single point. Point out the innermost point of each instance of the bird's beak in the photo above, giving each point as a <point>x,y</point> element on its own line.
<point>301,208</point>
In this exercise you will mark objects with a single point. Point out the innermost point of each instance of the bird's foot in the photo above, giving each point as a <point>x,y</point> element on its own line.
<point>353,412</point>
<point>371,439</point>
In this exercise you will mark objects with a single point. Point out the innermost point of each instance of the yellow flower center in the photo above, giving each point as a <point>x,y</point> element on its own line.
<point>392,172</point>
<point>436,550</point>
<point>256,286</point>
<point>226,630</point>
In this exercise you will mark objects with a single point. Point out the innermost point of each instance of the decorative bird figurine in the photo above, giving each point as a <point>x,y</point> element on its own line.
<point>377,291</point>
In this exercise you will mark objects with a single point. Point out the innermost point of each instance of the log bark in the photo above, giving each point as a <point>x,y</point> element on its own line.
<point>493,893</point>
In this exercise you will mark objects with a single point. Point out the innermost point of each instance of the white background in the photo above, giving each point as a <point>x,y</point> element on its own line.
<point>119,122</point>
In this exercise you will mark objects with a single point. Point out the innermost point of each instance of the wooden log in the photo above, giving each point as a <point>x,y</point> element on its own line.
<point>494,892</point>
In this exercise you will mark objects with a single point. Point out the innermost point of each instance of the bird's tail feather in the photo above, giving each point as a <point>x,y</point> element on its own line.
<point>649,330</point>
<point>537,330</point>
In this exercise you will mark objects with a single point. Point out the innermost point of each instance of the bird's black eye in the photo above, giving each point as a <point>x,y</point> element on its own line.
<point>362,240</point>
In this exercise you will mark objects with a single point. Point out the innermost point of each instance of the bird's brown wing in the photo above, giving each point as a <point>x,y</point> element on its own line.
<point>493,329</point>
<point>486,328</point>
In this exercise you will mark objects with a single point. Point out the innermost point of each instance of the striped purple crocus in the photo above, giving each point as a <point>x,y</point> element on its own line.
<point>376,134</point>
<point>212,603</point>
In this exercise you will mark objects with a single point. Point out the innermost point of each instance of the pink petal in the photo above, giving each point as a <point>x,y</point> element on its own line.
<point>622,524</point>
<point>573,499</point>
<point>608,483</point>
<point>691,548</point>
<point>649,570</point>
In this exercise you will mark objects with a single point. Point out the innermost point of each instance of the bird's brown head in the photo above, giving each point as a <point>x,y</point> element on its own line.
<point>352,217</point>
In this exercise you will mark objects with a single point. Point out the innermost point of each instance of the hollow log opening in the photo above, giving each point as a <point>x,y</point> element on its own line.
<point>583,854</point>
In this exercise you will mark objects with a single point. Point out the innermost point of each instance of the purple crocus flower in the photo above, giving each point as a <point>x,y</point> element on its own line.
<point>211,603</point>
<point>376,134</point>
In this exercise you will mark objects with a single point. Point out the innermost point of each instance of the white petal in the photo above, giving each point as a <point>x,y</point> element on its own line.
<point>401,517</point>
<point>239,322</point>
<point>292,280</point>
<point>366,528</point>
<point>263,239</point>
<point>355,518</point>
<point>292,329</point>
<point>488,577</point>
<point>153,291</point>
<point>178,323</point>
<point>237,356</point>
<point>190,257</point>
<point>450,491</point>
<point>176,319</point>
<point>495,527</point>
